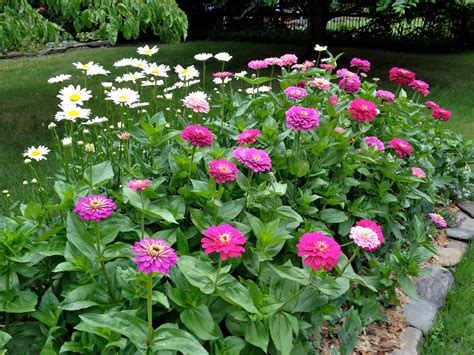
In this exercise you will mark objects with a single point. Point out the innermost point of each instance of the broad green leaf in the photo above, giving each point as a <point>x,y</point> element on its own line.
<point>281,331</point>
<point>200,322</point>
<point>199,273</point>
<point>231,345</point>
<point>231,209</point>
<point>21,302</point>
<point>256,333</point>
<point>4,339</point>
<point>85,296</point>
<point>167,337</point>
<point>331,215</point>
<point>101,173</point>
<point>292,273</point>
<point>78,235</point>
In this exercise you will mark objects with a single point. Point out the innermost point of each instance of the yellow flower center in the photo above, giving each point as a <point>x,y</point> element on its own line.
<point>321,246</point>
<point>148,51</point>
<point>96,204</point>
<point>185,71</point>
<point>75,97</point>
<point>224,238</point>
<point>140,65</point>
<point>123,98</point>
<point>156,71</point>
<point>156,250</point>
<point>73,113</point>
<point>85,66</point>
<point>257,158</point>
<point>35,153</point>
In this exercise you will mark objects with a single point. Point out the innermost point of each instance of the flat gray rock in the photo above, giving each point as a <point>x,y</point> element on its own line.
<point>434,286</point>
<point>411,340</point>
<point>458,233</point>
<point>457,244</point>
<point>468,207</point>
<point>450,256</point>
<point>420,314</point>
<point>466,222</point>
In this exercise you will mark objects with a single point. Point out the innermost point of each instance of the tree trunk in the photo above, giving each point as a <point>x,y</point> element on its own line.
<point>318,15</point>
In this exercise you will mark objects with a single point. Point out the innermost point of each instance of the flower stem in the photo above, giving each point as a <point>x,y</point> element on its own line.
<point>350,260</point>
<point>204,75</point>
<point>191,164</point>
<point>149,305</point>
<point>143,216</point>
<point>298,137</point>
<point>99,253</point>
<point>218,272</point>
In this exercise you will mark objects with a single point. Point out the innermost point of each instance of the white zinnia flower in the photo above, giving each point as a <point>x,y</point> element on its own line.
<point>123,96</point>
<point>59,78</point>
<point>186,73</point>
<point>74,95</point>
<point>156,70</point>
<point>36,153</point>
<point>147,50</point>
<point>71,112</point>
<point>96,120</point>
<point>319,48</point>
<point>83,67</point>
<point>223,56</point>
<point>66,141</point>
<point>203,56</point>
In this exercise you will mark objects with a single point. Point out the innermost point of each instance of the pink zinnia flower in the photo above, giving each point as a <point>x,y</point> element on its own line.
<point>273,61</point>
<point>302,118</point>
<point>431,104</point>
<point>288,59</point>
<point>364,237</point>
<point>319,251</point>
<point>327,66</point>
<point>345,73</point>
<point>258,64</point>
<point>255,159</point>
<point>367,223</point>
<point>333,99</point>
<point>41,9</point>
<point>339,129</point>
<point>320,83</point>
<point>94,208</point>
<point>154,255</point>
<point>248,136</point>
<point>350,84</point>
<point>387,96</point>
<point>442,114</point>
<point>197,101</point>
<point>418,172</point>
<point>197,135</point>
<point>139,184</point>
<point>362,110</point>
<point>438,220</point>
<point>401,76</point>
<point>420,86</point>
<point>362,64</point>
<point>225,240</point>
<point>222,74</point>
<point>295,93</point>
<point>402,147</point>
<point>222,170</point>
<point>374,141</point>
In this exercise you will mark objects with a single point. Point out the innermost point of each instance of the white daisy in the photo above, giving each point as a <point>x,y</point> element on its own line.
<point>71,112</point>
<point>152,82</point>
<point>97,69</point>
<point>123,96</point>
<point>83,67</point>
<point>157,70</point>
<point>223,56</point>
<point>139,104</point>
<point>74,95</point>
<point>59,78</point>
<point>139,63</point>
<point>186,73</point>
<point>240,74</point>
<point>133,77</point>
<point>37,154</point>
<point>203,56</point>
<point>190,82</point>
<point>147,50</point>
<point>107,85</point>
<point>95,120</point>
<point>319,48</point>
<point>124,62</point>
<point>218,81</point>
<point>66,141</point>
<point>262,88</point>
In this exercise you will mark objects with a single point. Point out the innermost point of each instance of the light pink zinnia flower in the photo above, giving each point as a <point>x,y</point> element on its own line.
<point>438,220</point>
<point>442,114</point>
<point>327,66</point>
<point>258,64</point>
<point>288,59</point>
<point>273,61</point>
<point>345,73</point>
<point>402,147</point>
<point>401,76</point>
<point>431,104</point>
<point>350,84</point>
<point>94,208</point>
<point>418,172</point>
<point>374,141</point>
<point>362,64</point>
<point>197,101</point>
<point>420,86</point>
<point>222,74</point>
<point>197,135</point>
<point>339,129</point>
<point>139,184</point>
<point>255,159</point>
<point>364,237</point>
<point>225,240</point>
<point>333,99</point>
<point>295,93</point>
<point>362,110</point>
<point>154,255</point>
<point>320,83</point>
<point>367,223</point>
<point>319,251</point>
<point>222,170</point>
<point>302,118</point>
<point>248,136</point>
<point>387,96</point>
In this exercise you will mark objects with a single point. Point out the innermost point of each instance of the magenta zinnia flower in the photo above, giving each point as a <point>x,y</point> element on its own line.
<point>420,86</point>
<point>367,223</point>
<point>442,114</point>
<point>362,64</point>
<point>197,135</point>
<point>248,136</point>
<point>273,61</point>
<point>222,170</point>
<point>94,208</point>
<point>402,147</point>
<point>418,172</point>
<point>139,184</point>
<point>350,84</point>
<point>197,102</point>
<point>319,251</point>
<point>258,64</point>
<point>295,93</point>
<point>438,220</point>
<point>333,99</point>
<point>362,110</point>
<point>374,141</point>
<point>365,237</point>
<point>431,104</point>
<point>255,159</point>
<point>222,74</point>
<point>387,96</point>
<point>154,255</point>
<point>401,76</point>
<point>225,240</point>
<point>302,118</point>
<point>327,66</point>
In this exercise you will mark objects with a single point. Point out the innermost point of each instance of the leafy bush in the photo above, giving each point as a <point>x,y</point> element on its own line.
<point>69,282</point>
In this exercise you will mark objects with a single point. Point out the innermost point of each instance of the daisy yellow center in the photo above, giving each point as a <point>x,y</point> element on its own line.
<point>321,246</point>
<point>139,65</point>
<point>155,71</point>
<point>156,250</point>
<point>148,51</point>
<point>96,204</point>
<point>225,238</point>
<point>75,97</point>
<point>185,71</point>
<point>35,153</point>
<point>123,98</point>
<point>73,113</point>
<point>85,66</point>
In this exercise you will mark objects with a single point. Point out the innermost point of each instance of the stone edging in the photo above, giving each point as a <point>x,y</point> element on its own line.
<point>433,287</point>
<point>62,49</point>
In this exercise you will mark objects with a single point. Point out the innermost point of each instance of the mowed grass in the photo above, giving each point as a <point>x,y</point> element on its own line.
<point>28,103</point>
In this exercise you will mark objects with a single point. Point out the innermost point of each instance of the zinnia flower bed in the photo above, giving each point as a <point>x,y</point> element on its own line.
<point>256,212</point>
